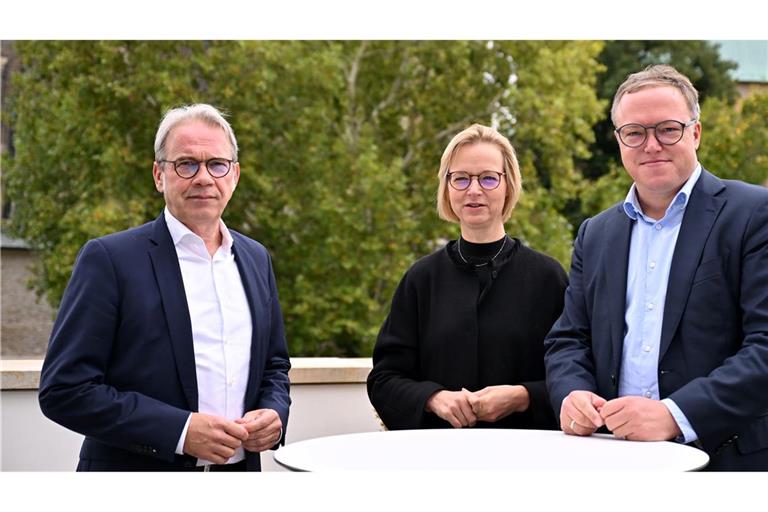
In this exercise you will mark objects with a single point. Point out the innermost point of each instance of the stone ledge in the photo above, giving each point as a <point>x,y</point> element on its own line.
<point>25,373</point>
<point>329,370</point>
<point>20,373</point>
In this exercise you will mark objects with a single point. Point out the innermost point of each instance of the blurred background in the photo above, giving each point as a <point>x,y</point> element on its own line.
<point>340,143</point>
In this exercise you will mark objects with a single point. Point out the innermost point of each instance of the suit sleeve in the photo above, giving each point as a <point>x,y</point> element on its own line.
<point>395,387</point>
<point>74,384</point>
<point>274,391</point>
<point>568,346</point>
<point>734,393</point>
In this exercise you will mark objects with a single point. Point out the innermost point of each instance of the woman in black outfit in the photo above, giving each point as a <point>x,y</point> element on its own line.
<point>463,343</point>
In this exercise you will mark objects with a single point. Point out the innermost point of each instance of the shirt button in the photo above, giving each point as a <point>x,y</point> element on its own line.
<point>647,394</point>
<point>652,264</point>
<point>230,382</point>
<point>650,306</point>
<point>658,227</point>
<point>647,348</point>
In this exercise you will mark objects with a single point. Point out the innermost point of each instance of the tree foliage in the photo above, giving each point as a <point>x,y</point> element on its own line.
<point>734,141</point>
<point>340,143</point>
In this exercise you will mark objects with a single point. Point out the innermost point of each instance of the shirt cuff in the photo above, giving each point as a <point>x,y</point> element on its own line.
<point>183,437</point>
<point>689,435</point>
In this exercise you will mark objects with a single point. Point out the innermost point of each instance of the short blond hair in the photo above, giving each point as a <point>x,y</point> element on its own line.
<point>657,76</point>
<point>473,135</point>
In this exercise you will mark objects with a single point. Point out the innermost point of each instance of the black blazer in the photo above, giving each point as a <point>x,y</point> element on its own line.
<point>120,367</point>
<point>713,358</point>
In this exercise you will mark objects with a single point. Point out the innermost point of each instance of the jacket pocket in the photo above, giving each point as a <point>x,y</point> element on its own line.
<point>709,269</point>
<point>754,437</point>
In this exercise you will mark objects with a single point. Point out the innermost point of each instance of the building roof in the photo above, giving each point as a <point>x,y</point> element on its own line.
<point>7,242</point>
<point>751,57</point>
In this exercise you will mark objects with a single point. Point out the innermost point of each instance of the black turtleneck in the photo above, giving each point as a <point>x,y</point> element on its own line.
<point>485,258</point>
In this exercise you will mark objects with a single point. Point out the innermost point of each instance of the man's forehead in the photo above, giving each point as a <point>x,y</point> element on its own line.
<point>654,92</point>
<point>659,97</point>
<point>196,132</point>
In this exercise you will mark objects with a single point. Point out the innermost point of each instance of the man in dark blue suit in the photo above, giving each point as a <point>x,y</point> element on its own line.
<point>664,335</point>
<point>168,351</point>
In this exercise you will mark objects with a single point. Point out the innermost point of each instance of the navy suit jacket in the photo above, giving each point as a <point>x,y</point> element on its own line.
<point>713,358</point>
<point>120,367</point>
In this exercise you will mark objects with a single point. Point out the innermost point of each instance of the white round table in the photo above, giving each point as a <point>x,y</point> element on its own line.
<point>485,449</point>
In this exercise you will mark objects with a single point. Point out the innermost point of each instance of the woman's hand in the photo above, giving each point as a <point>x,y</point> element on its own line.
<point>453,407</point>
<point>493,403</point>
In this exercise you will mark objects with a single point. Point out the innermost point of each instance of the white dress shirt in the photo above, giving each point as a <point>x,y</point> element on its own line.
<point>221,325</point>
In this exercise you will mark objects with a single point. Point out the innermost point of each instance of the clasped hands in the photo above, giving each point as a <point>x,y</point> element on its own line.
<point>465,408</point>
<point>216,439</point>
<point>629,417</point>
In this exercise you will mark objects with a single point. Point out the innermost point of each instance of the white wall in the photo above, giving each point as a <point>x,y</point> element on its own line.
<point>31,442</point>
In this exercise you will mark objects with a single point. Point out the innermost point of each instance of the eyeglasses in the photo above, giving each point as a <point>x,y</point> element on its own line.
<point>668,132</point>
<point>187,167</point>
<point>488,180</point>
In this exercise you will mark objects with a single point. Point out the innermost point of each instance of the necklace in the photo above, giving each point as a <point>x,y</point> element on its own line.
<point>458,246</point>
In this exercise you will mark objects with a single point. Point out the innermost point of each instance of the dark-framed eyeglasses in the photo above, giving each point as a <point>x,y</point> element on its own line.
<point>488,180</point>
<point>669,132</point>
<point>187,167</point>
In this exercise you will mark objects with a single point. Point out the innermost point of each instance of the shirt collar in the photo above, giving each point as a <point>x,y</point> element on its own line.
<point>632,206</point>
<point>179,232</point>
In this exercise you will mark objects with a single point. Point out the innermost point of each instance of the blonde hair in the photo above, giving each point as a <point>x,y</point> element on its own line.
<point>656,76</point>
<point>475,134</point>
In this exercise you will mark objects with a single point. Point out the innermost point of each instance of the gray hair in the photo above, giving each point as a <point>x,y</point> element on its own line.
<point>201,111</point>
<point>656,76</point>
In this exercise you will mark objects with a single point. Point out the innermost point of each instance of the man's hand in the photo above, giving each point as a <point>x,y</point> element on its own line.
<point>579,414</point>
<point>213,438</point>
<point>493,403</point>
<point>453,407</point>
<point>639,419</point>
<point>264,429</point>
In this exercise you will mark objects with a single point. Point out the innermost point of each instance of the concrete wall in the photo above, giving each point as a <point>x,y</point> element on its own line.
<point>27,321</point>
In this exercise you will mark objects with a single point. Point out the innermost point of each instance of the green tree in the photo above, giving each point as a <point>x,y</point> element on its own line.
<point>83,114</point>
<point>734,141</point>
<point>340,144</point>
<point>553,107</point>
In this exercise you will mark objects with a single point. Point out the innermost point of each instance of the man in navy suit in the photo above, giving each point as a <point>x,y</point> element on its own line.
<point>168,351</point>
<point>664,334</point>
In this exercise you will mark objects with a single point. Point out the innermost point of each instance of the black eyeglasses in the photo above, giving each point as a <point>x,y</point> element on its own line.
<point>488,180</point>
<point>668,132</point>
<point>187,167</point>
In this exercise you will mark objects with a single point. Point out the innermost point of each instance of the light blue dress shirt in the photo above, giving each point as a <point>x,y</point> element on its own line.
<point>650,256</point>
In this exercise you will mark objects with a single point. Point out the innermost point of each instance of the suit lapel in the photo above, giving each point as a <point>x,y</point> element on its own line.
<point>247,268</point>
<point>700,214</point>
<point>619,231</point>
<point>168,275</point>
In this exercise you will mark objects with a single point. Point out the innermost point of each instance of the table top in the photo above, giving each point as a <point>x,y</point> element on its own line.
<point>485,449</point>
